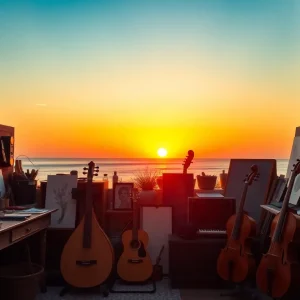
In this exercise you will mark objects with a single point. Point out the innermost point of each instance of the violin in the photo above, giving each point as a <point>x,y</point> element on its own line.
<point>235,261</point>
<point>277,267</point>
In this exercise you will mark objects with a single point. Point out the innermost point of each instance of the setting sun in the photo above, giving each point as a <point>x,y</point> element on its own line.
<point>162,152</point>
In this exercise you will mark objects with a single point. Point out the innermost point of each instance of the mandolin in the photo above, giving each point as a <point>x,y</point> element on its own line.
<point>277,267</point>
<point>236,261</point>
<point>87,258</point>
<point>135,264</point>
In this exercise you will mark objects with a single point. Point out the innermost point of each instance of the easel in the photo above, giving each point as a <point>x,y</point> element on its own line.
<point>67,288</point>
<point>153,290</point>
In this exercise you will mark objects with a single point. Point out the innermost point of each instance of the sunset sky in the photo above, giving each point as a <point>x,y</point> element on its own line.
<point>124,78</point>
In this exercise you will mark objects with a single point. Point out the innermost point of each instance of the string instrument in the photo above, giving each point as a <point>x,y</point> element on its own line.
<point>188,160</point>
<point>235,261</point>
<point>135,264</point>
<point>87,258</point>
<point>277,191</point>
<point>275,272</point>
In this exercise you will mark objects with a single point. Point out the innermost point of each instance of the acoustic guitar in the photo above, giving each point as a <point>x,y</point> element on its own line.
<point>279,267</point>
<point>236,261</point>
<point>87,258</point>
<point>135,264</point>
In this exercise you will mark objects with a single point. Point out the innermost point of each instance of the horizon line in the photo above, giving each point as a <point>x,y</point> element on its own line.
<point>161,158</point>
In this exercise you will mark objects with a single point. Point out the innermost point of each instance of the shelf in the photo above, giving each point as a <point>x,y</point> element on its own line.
<point>112,212</point>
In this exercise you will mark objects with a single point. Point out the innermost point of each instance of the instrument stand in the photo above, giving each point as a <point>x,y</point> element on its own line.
<point>67,288</point>
<point>153,290</point>
<point>242,292</point>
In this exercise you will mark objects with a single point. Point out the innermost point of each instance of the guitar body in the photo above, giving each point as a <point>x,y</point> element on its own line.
<point>135,264</point>
<point>237,253</point>
<point>280,259</point>
<point>87,267</point>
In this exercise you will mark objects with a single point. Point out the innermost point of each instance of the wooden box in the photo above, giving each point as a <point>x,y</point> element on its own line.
<point>176,190</point>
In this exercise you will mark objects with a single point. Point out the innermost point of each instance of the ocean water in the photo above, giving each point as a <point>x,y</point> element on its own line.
<point>127,167</point>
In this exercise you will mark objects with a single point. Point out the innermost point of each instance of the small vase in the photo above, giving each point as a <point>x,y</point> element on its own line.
<point>223,179</point>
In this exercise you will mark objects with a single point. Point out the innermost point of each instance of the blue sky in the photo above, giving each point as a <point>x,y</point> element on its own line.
<point>218,60</point>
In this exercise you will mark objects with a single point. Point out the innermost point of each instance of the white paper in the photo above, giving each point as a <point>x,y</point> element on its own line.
<point>59,196</point>
<point>295,194</point>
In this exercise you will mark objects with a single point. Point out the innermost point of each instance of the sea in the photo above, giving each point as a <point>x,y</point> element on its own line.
<point>127,168</point>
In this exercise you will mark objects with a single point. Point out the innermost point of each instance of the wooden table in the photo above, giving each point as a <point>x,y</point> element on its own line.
<point>12,232</point>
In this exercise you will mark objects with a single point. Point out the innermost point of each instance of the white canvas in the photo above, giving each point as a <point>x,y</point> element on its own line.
<point>59,196</point>
<point>157,222</point>
<point>295,193</point>
<point>295,154</point>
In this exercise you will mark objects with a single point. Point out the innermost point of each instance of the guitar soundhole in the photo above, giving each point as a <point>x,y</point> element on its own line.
<point>134,244</point>
<point>86,263</point>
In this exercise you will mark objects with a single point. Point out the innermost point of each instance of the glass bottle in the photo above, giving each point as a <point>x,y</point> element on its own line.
<point>105,178</point>
<point>115,177</point>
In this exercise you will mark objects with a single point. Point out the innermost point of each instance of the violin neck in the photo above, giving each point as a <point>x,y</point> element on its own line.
<point>239,218</point>
<point>88,216</point>
<point>278,230</point>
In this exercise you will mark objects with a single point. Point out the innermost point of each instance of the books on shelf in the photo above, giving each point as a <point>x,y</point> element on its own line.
<point>14,217</point>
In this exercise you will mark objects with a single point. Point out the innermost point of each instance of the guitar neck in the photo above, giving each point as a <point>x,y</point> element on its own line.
<point>134,223</point>
<point>88,216</point>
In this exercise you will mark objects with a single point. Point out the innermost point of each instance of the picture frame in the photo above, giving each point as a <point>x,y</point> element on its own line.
<point>121,196</point>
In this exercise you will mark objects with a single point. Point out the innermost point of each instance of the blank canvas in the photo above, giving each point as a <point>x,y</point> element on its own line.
<point>257,192</point>
<point>157,222</point>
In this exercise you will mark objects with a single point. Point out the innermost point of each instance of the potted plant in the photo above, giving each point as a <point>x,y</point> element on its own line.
<point>145,181</point>
<point>206,182</point>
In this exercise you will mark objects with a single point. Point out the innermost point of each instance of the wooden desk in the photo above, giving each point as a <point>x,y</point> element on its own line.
<point>12,232</point>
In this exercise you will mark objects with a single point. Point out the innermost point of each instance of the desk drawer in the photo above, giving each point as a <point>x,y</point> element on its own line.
<point>29,228</point>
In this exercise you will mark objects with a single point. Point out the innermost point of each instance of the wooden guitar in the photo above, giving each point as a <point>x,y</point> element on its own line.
<point>235,261</point>
<point>188,160</point>
<point>135,263</point>
<point>87,258</point>
<point>278,267</point>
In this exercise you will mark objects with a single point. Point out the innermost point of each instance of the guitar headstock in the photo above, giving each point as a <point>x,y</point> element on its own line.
<point>91,171</point>
<point>188,160</point>
<point>253,175</point>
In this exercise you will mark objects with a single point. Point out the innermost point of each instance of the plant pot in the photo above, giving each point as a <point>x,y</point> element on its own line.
<point>147,197</point>
<point>20,281</point>
<point>206,182</point>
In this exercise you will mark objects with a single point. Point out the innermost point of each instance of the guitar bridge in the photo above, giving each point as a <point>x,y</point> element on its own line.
<point>135,261</point>
<point>86,262</point>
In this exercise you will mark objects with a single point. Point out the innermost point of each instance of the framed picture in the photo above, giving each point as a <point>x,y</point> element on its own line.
<point>121,196</point>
